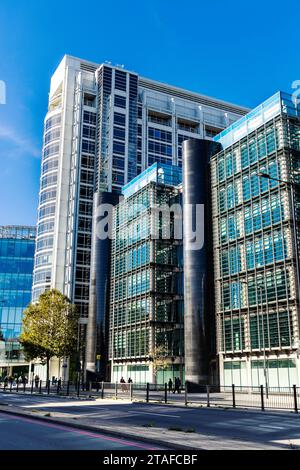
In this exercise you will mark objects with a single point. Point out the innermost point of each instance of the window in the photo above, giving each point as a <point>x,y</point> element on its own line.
<point>120,101</point>
<point>119,119</point>
<point>119,148</point>
<point>87,146</point>
<point>120,80</point>
<point>89,118</point>
<point>89,100</point>
<point>119,133</point>
<point>88,132</point>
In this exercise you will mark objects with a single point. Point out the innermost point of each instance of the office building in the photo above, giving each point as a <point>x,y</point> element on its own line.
<point>146,302</point>
<point>104,126</point>
<point>16,270</point>
<point>255,209</point>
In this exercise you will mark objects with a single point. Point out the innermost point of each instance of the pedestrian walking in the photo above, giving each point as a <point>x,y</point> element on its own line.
<point>123,386</point>
<point>36,381</point>
<point>179,385</point>
<point>5,382</point>
<point>170,385</point>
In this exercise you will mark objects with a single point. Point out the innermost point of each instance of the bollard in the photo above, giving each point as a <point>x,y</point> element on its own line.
<point>102,391</point>
<point>116,390</point>
<point>166,393</point>
<point>186,393</point>
<point>208,398</point>
<point>262,397</point>
<point>24,387</point>
<point>31,387</point>
<point>233,395</point>
<point>97,387</point>
<point>10,388</point>
<point>295,398</point>
<point>17,385</point>
<point>68,388</point>
<point>40,387</point>
<point>78,387</point>
<point>147,392</point>
<point>48,387</point>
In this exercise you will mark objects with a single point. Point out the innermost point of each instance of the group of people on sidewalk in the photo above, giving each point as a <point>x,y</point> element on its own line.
<point>124,386</point>
<point>10,380</point>
<point>177,385</point>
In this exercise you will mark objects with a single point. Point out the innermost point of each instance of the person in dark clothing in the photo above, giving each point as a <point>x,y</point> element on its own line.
<point>36,381</point>
<point>177,385</point>
<point>170,385</point>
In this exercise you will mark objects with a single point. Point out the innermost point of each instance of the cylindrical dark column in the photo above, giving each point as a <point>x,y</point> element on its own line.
<point>97,330</point>
<point>196,245</point>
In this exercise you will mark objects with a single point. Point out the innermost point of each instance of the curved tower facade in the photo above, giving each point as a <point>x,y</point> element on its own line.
<point>197,241</point>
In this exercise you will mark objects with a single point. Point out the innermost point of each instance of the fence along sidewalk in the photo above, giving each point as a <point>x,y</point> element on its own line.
<point>287,398</point>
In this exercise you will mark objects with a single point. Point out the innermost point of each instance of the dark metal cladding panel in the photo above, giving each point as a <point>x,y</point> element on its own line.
<point>98,328</point>
<point>197,262</point>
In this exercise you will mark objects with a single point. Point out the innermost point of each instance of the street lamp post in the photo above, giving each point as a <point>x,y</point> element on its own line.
<point>263,341</point>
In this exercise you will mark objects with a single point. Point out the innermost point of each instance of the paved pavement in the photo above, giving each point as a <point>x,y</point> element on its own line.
<point>198,428</point>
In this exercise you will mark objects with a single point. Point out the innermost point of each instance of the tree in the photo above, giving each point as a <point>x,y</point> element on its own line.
<point>49,328</point>
<point>160,359</point>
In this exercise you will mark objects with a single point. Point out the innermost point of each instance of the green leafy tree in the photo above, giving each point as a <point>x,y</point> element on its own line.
<point>49,328</point>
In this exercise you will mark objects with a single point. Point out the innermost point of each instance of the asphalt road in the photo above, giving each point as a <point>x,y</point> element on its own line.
<point>251,426</point>
<point>18,433</point>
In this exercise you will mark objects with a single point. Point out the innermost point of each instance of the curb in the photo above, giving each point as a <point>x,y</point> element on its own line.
<point>45,395</point>
<point>85,427</point>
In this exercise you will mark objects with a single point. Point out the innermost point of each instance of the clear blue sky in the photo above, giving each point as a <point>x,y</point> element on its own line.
<point>237,51</point>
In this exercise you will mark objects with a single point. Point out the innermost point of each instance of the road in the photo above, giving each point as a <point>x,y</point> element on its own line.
<point>18,433</point>
<point>254,427</point>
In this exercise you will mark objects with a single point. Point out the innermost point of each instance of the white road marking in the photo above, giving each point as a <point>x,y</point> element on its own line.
<point>157,414</point>
<point>270,426</point>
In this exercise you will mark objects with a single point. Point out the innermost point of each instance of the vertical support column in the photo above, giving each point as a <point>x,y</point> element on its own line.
<point>98,327</point>
<point>198,252</point>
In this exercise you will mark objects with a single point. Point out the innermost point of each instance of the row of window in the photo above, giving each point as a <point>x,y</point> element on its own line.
<point>259,252</point>
<point>130,312</point>
<point>266,331</point>
<point>247,153</point>
<point>274,286</point>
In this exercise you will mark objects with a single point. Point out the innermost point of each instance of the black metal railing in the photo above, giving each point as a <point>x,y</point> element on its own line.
<point>233,396</point>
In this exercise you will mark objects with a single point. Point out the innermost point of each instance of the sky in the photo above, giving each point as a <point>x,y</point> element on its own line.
<point>241,52</point>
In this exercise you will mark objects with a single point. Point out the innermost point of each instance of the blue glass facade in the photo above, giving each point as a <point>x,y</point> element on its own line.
<point>16,267</point>
<point>146,308</point>
<point>256,281</point>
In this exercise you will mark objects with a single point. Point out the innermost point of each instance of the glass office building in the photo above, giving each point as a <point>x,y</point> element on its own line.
<point>146,304</point>
<point>104,126</point>
<point>255,204</point>
<point>16,269</point>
